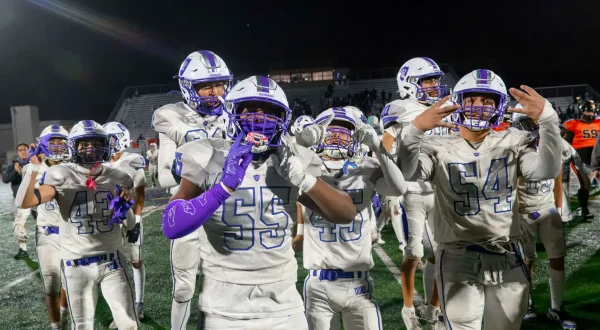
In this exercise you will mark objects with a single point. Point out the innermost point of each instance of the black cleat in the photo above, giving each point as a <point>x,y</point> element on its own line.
<point>22,254</point>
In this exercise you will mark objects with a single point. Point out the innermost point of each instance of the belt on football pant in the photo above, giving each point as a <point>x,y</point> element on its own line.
<point>90,260</point>
<point>335,274</point>
<point>50,230</point>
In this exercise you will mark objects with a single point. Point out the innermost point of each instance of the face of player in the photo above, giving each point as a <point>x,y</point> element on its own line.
<point>488,102</point>
<point>23,152</point>
<point>211,89</point>
<point>57,148</point>
<point>90,149</point>
<point>340,136</point>
<point>259,108</point>
<point>428,83</point>
<point>589,116</point>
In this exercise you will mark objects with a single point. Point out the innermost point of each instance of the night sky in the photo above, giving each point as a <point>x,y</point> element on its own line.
<point>76,67</point>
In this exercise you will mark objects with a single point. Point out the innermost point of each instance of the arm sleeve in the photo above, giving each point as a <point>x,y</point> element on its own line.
<point>414,163</point>
<point>546,162</point>
<point>388,179</point>
<point>165,161</point>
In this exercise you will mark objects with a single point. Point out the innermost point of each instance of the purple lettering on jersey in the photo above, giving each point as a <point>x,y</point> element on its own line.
<point>361,290</point>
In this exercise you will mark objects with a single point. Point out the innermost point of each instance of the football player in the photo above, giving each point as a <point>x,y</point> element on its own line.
<point>152,157</point>
<point>583,132</point>
<point>540,204</point>
<point>204,80</point>
<point>338,257</point>
<point>48,222</point>
<point>90,235</point>
<point>479,266</point>
<point>244,196</point>
<point>120,140</point>
<point>420,84</point>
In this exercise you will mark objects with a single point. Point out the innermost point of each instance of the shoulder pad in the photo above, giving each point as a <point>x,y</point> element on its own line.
<point>167,116</point>
<point>197,159</point>
<point>401,111</point>
<point>134,160</point>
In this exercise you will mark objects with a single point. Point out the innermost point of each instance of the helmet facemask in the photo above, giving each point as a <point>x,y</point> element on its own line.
<point>261,121</point>
<point>429,94</point>
<point>58,149</point>
<point>211,105</point>
<point>479,117</point>
<point>340,142</point>
<point>88,151</point>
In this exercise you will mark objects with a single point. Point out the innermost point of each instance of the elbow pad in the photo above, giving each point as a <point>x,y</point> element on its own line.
<point>181,217</point>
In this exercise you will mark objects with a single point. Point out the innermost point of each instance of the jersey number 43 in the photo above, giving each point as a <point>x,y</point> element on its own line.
<point>496,188</point>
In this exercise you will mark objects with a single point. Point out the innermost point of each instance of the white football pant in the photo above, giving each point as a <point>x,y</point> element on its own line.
<point>416,208</point>
<point>551,233</point>
<point>185,258</point>
<point>19,230</point>
<point>47,247</point>
<point>81,284</point>
<point>347,299</point>
<point>566,205</point>
<point>153,170</point>
<point>218,322</point>
<point>475,286</point>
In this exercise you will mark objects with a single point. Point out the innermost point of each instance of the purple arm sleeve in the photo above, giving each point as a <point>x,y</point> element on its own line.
<point>182,217</point>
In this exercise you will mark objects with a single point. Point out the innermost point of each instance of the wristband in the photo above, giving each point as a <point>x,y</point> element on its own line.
<point>300,229</point>
<point>308,182</point>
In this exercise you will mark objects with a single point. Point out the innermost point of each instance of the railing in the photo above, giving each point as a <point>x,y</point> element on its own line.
<point>390,72</point>
<point>568,90</point>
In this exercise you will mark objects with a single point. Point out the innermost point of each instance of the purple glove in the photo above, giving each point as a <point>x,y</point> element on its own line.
<point>119,206</point>
<point>42,148</point>
<point>234,170</point>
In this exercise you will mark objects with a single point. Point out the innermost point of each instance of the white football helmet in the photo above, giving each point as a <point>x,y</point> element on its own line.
<point>409,80</point>
<point>201,67</point>
<point>477,118</point>
<point>58,152</point>
<point>119,136</point>
<point>299,124</point>
<point>340,142</point>
<point>266,130</point>
<point>98,151</point>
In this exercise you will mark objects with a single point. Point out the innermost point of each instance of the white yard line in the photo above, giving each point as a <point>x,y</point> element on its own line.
<point>391,266</point>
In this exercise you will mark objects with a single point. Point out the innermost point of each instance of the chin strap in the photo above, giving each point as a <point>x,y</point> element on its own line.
<point>90,183</point>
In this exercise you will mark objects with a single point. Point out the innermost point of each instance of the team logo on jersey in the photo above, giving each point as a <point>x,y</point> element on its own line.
<point>361,290</point>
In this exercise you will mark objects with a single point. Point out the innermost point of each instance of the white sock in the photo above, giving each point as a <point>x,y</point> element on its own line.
<point>23,246</point>
<point>62,310</point>
<point>139,280</point>
<point>56,326</point>
<point>180,314</point>
<point>428,278</point>
<point>412,309</point>
<point>557,287</point>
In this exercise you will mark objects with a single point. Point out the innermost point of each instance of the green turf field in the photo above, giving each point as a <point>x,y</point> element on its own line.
<point>21,300</point>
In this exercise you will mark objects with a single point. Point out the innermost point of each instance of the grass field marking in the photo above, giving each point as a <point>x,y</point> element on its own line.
<point>391,266</point>
<point>25,277</point>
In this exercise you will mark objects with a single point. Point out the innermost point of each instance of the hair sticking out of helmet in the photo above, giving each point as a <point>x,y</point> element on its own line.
<point>89,143</point>
<point>483,98</point>
<point>421,79</point>
<point>259,106</point>
<point>205,80</point>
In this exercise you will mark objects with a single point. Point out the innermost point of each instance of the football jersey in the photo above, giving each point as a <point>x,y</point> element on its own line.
<point>399,114</point>
<point>178,124</point>
<point>476,187</point>
<point>535,195</point>
<point>584,134</point>
<point>247,240</point>
<point>335,246</point>
<point>48,213</point>
<point>133,164</point>
<point>152,157</point>
<point>85,231</point>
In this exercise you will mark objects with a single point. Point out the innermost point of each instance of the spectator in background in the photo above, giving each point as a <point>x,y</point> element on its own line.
<point>12,175</point>
<point>389,97</point>
<point>383,97</point>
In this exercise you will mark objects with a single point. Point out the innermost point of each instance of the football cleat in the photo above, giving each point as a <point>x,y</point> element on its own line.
<point>562,317</point>
<point>530,313</point>
<point>433,316</point>
<point>22,254</point>
<point>139,309</point>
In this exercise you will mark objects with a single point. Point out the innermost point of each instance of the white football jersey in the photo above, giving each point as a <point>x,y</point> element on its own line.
<point>535,195</point>
<point>48,214</point>
<point>247,240</point>
<point>85,231</point>
<point>476,187</point>
<point>133,164</point>
<point>152,157</point>
<point>404,112</point>
<point>178,125</point>
<point>348,247</point>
